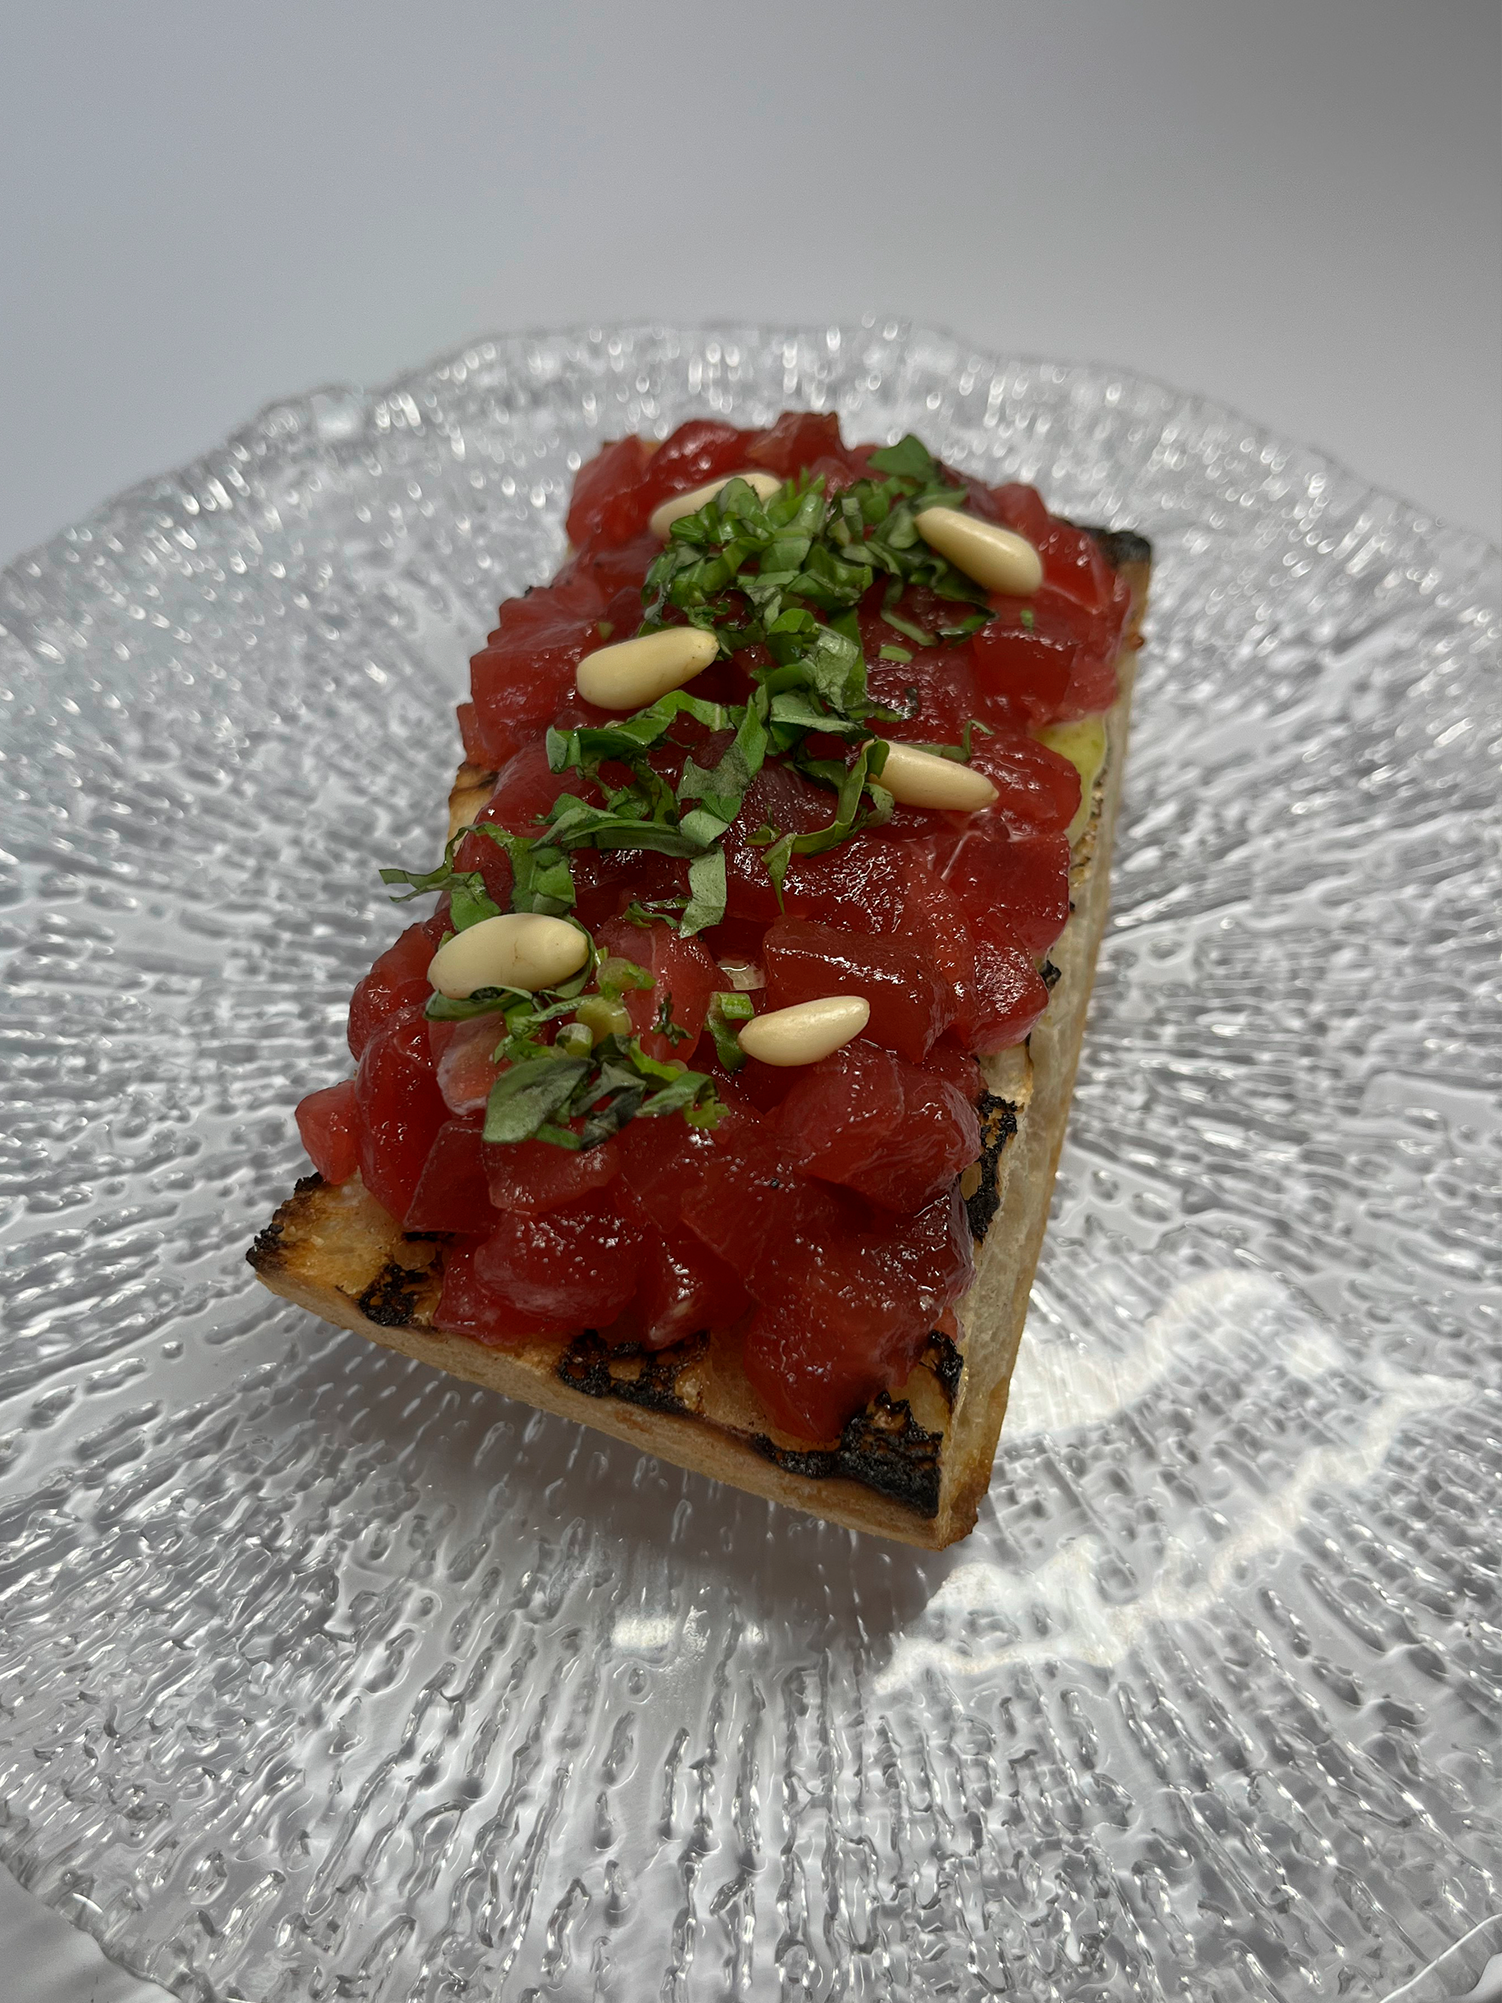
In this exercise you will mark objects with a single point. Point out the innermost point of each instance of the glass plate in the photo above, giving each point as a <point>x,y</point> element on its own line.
<point>326,1675</point>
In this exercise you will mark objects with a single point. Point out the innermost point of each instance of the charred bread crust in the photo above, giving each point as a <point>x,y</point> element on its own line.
<point>914,1464</point>
<point>980,1186</point>
<point>329,1250</point>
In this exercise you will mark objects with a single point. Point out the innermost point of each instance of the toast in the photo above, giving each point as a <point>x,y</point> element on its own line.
<point>914,1464</point>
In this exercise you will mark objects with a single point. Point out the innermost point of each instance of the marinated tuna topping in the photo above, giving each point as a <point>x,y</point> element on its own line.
<point>787,762</point>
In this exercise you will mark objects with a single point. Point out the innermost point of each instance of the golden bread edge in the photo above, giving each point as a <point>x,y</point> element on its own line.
<point>334,1252</point>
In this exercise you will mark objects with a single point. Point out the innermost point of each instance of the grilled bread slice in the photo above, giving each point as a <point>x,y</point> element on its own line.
<point>915,1464</point>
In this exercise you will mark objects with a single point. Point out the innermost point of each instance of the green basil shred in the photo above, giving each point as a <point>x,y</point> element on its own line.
<point>786,575</point>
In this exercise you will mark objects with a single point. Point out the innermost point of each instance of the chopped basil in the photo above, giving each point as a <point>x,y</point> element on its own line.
<point>546,1088</point>
<point>664,1025</point>
<point>908,459</point>
<point>627,737</point>
<point>859,778</point>
<point>907,626</point>
<point>785,575</point>
<point>960,752</point>
<point>706,883</point>
<point>963,628</point>
<point>420,880</point>
<point>665,909</point>
<point>470,901</point>
<point>628,1085</point>
<point>529,1093</point>
<point>541,879</point>
<point>725,1009</point>
<point>484,1001</point>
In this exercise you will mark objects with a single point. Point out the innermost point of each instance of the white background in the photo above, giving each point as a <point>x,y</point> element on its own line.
<point>1291,205</point>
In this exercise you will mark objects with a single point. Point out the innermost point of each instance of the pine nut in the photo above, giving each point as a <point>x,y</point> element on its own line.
<point>763,485</point>
<point>636,672</point>
<point>518,949</point>
<point>917,778</point>
<point>807,1031</point>
<point>992,556</point>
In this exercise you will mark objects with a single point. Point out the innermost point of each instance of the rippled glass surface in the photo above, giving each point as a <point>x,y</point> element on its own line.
<point>325,1675</point>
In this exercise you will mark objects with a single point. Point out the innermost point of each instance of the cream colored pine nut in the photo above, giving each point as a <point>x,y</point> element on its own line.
<point>807,1031</point>
<point>994,557</point>
<point>917,778</point>
<point>518,949</point>
<point>763,485</point>
<point>636,672</point>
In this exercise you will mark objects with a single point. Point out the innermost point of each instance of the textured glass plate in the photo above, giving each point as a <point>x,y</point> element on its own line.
<point>327,1676</point>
